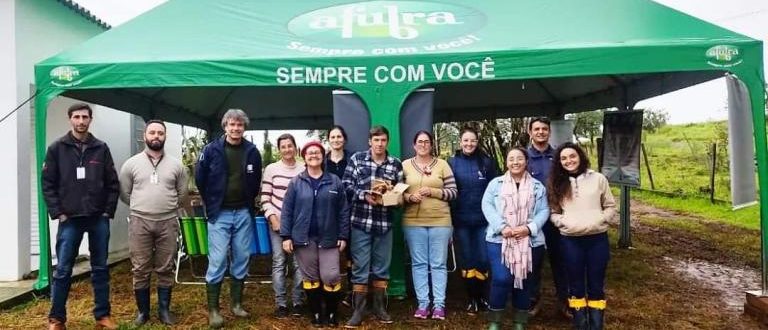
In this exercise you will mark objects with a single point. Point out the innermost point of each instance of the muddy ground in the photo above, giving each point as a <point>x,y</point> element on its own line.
<point>672,279</point>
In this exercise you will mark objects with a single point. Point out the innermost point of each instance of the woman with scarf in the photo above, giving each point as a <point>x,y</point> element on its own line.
<point>582,204</point>
<point>515,205</point>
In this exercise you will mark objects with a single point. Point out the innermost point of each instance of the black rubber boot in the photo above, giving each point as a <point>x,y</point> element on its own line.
<point>331,307</point>
<point>520,320</point>
<point>596,318</point>
<point>580,319</point>
<point>482,303</point>
<point>236,288</point>
<point>315,300</point>
<point>164,306</point>
<point>359,302</point>
<point>213,291</point>
<point>379,300</point>
<point>142,304</point>
<point>472,303</point>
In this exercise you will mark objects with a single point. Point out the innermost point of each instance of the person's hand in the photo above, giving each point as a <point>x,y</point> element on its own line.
<point>371,200</point>
<point>520,232</point>
<point>288,246</point>
<point>274,223</point>
<point>507,232</point>
<point>63,218</point>
<point>415,198</point>
<point>341,244</point>
<point>425,191</point>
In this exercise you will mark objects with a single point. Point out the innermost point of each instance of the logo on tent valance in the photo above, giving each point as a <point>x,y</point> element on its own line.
<point>65,76</point>
<point>387,21</point>
<point>724,56</point>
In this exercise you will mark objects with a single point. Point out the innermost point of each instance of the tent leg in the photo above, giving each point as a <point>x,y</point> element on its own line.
<point>625,232</point>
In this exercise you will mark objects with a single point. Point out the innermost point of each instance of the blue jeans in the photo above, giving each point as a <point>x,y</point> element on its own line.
<point>502,281</point>
<point>428,247</point>
<point>552,237</point>
<point>586,258</point>
<point>280,272</point>
<point>68,241</point>
<point>472,251</point>
<point>371,255</point>
<point>232,232</point>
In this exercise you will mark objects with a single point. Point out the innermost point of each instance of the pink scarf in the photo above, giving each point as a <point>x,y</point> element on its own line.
<point>517,201</point>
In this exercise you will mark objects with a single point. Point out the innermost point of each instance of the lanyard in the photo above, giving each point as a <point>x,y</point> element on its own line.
<point>154,165</point>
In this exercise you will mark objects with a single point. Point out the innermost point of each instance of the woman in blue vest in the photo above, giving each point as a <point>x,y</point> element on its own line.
<point>472,170</point>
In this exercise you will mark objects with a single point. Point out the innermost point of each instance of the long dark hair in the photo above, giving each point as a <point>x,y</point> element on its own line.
<point>559,184</point>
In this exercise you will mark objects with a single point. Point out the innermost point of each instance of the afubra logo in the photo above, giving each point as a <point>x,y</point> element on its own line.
<point>387,20</point>
<point>724,56</point>
<point>65,76</point>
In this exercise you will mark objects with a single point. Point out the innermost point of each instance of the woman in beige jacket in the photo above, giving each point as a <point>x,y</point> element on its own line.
<point>582,204</point>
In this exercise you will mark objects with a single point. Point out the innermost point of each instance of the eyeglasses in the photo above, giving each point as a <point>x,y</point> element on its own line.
<point>423,142</point>
<point>314,153</point>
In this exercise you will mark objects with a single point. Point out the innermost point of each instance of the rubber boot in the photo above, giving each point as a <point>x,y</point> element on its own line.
<point>236,288</point>
<point>471,284</point>
<point>481,283</point>
<point>142,304</point>
<point>494,319</point>
<point>520,320</point>
<point>579,310</point>
<point>164,306</point>
<point>331,299</point>
<point>379,300</point>
<point>315,300</point>
<point>213,291</point>
<point>359,302</point>
<point>596,311</point>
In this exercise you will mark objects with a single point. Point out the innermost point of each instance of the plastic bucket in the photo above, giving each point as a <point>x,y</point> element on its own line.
<point>262,236</point>
<point>201,229</point>
<point>189,235</point>
<point>254,239</point>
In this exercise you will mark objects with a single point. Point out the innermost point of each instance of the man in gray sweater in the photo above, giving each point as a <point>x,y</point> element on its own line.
<point>153,184</point>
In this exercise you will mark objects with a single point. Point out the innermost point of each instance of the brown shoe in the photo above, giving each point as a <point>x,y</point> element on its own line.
<point>54,324</point>
<point>106,323</point>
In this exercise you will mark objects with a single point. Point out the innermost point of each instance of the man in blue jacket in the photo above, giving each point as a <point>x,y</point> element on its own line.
<point>539,165</point>
<point>81,189</point>
<point>228,176</point>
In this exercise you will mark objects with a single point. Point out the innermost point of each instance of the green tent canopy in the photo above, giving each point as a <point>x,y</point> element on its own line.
<point>189,61</point>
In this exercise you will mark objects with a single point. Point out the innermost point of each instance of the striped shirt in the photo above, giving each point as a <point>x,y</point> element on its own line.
<point>434,210</point>
<point>277,176</point>
<point>360,172</point>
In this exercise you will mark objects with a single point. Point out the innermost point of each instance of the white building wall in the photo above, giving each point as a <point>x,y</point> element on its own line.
<point>31,30</point>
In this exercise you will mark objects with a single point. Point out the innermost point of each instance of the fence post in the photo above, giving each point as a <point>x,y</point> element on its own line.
<point>712,174</point>
<point>647,165</point>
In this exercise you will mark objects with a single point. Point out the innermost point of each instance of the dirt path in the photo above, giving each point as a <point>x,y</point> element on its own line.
<point>697,259</point>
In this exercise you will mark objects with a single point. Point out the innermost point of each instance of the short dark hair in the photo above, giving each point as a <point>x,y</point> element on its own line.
<point>469,129</point>
<point>154,121</point>
<point>79,106</point>
<point>378,130</point>
<point>286,136</point>
<point>341,129</point>
<point>518,148</point>
<point>543,120</point>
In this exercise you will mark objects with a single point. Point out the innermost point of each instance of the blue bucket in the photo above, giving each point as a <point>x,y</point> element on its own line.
<point>262,236</point>
<point>254,248</point>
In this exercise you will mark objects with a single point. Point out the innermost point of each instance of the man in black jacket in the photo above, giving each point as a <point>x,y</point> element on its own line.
<point>81,189</point>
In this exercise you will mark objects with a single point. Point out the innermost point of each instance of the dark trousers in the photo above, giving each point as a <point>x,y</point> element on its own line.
<point>152,245</point>
<point>586,258</point>
<point>471,246</point>
<point>68,241</point>
<point>552,237</point>
<point>502,281</point>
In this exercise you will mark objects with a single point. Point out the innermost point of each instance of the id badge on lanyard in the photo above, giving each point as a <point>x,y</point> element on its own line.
<point>80,172</point>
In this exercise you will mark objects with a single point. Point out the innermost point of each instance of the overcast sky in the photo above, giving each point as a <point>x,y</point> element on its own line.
<point>699,103</point>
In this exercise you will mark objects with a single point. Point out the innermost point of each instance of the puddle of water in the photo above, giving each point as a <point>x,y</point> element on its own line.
<point>730,282</point>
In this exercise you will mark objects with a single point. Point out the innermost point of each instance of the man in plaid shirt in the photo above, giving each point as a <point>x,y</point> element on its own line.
<point>371,237</point>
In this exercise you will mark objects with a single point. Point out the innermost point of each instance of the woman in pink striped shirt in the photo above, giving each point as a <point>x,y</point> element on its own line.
<point>273,187</point>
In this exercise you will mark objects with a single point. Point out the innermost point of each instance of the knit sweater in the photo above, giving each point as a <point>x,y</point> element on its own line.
<point>277,176</point>
<point>590,207</point>
<point>432,211</point>
<point>147,199</point>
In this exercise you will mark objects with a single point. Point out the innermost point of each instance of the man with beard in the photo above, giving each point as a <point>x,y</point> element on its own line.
<point>80,187</point>
<point>152,184</point>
